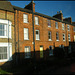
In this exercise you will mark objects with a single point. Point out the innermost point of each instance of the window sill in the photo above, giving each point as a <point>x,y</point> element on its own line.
<point>49,26</point>
<point>50,54</point>
<point>4,60</point>
<point>36,24</point>
<point>69,40</point>
<point>49,40</point>
<point>57,40</point>
<point>25,22</point>
<point>56,28</point>
<point>63,40</point>
<point>37,39</point>
<point>27,57</point>
<point>5,37</point>
<point>26,39</point>
<point>68,30</point>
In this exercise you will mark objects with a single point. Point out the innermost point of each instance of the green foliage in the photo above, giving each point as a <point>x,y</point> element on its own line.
<point>3,72</point>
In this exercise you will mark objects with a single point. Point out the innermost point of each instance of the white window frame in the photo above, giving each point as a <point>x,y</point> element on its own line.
<point>26,35</point>
<point>69,37</point>
<point>58,37</point>
<point>63,27</point>
<point>63,37</point>
<point>49,23</point>
<point>68,27</point>
<point>9,51</point>
<point>56,25</point>
<point>36,20</point>
<point>29,52</point>
<point>74,29</point>
<point>38,35</point>
<point>50,39</point>
<point>8,29</point>
<point>25,18</point>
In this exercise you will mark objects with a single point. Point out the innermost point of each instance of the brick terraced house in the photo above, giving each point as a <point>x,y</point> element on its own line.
<point>16,32</point>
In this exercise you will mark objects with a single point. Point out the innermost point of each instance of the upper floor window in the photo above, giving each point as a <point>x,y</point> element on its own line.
<point>74,29</point>
<point>63,37</point>
<point>56,25</point>
<point>49,23</point>
<point>63,27</point>
<point>37,35</point>
<point>69,37</point>
<point>57,36</point>
<point>26,37</point>
<point>68,27</point>
<point>36,21</point>
<point>49,35</point>
<point>5,28</point>
<point>25,18</point>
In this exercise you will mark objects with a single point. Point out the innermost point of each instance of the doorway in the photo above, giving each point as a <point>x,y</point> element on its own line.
<point>41,51</point>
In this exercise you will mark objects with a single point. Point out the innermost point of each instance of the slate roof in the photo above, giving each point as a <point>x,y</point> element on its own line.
<point>5,5</point>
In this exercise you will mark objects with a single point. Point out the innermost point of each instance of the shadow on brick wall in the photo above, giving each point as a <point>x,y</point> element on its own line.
<point>22,64</point>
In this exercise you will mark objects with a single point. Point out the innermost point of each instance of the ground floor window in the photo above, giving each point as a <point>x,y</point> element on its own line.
<point>27,52</point>
<point>69,49</point>
<point>5,52</point>
<point>50,50</point>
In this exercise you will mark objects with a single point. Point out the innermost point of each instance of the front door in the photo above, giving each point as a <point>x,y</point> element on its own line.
<point>41,51</point>
<point>74,38</point>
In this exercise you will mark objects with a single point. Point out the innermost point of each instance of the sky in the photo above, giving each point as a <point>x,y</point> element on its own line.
<point>50,8</point>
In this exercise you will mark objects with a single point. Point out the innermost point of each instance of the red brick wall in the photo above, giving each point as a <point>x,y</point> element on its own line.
<point>43,30</point>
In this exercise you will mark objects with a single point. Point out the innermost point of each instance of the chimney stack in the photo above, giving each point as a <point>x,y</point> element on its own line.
<point>29,6</point>
<point>59,15</point>
<point>69,19</point>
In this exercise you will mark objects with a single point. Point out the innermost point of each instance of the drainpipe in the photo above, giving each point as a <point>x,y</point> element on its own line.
<point>33,36</point>
<point>66,33</point>
<point>18,36</point>
<point>15,39</point>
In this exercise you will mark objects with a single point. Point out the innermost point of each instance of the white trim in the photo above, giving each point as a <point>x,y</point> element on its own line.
<point>9,52</point>
<point>50,40</point>
<point>57,40</point>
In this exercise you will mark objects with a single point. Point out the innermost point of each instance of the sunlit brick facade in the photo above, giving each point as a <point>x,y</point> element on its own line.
<point>49,32</point>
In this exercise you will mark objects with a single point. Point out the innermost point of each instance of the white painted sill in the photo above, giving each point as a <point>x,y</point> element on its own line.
<point>26,39</point>
<point>57,40</point>
<point>49,40</point>
<point>25,22</point>
<point>37,39</point>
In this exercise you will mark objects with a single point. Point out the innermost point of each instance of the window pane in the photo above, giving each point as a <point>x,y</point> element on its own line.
<point>0,26</point>
<point>37,35</point>
<point>49,23</point>
<point>25,33</point>
<point>27,52</point>
<point>25,18</point>
<point>36,32</point>
<point>57,36</point>
<point>3,52</point>
<point>36,21</point>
